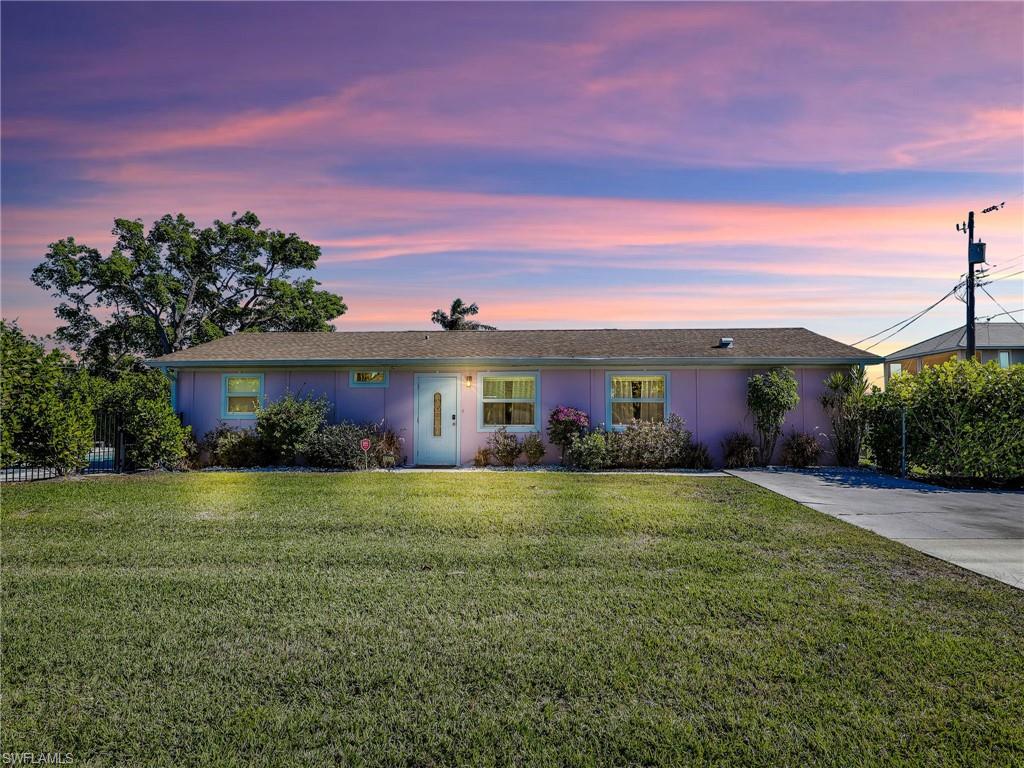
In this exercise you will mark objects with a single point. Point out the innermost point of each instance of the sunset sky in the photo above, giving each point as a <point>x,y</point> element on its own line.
<point>564,165</point>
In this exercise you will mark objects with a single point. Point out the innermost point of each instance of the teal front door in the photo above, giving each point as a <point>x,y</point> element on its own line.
<point>437,421</point>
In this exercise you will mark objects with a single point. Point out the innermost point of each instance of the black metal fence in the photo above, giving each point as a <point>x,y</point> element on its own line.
<point>107,455</point>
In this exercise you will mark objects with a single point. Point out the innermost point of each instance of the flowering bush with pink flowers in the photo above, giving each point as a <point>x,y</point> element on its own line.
<point>564,422</point>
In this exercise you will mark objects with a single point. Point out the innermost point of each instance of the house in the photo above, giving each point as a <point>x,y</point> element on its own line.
<point>445,392</point>
<point>1001,343</point>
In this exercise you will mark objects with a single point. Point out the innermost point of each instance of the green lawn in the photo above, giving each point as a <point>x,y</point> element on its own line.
<point>489,619</point>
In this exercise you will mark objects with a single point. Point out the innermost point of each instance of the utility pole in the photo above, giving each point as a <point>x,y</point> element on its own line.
<point>975,255</point>
<point>970,286</point>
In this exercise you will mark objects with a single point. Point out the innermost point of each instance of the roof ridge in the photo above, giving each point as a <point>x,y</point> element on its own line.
<point>532,330</point>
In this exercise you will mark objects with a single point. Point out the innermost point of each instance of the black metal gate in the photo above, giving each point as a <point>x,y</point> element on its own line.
<point>107,455</point>
<point>108,446</point>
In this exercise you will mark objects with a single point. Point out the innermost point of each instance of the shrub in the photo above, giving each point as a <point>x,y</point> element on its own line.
<point>155,437</point>
<point>193,453</point>
<point>505,446</point>
<point>649,445</point>
<point>483,457</point>
<point>389,449</point>
<point>338,446</point>
<point>800,450</point>
<point>696,456</point>
<point>140,401</point>
<point>63,424</point>
<point>533,449</point>
<point>237,448</point>
<point>845,403</point>
<point>587,451</point>
<point>740,451</point>
<point>46,406</point>
<point>883,413</point>
<point>210,443</point>
<point>286,426</point>
<point>770,396</point>
<point>965,420</point>
<point>563,423</point>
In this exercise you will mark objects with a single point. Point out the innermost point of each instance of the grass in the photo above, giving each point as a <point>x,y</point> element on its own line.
<point>489,619</point>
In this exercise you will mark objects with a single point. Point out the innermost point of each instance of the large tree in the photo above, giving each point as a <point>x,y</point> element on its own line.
<point>457,318</point>
<point>180,285</point>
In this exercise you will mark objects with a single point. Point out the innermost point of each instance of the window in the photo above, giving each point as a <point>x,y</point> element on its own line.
<point>938,359</point>
<point>895,369</point>
<point>242,394</point>
<point>1004,358</point>
<point>368,377</point>
<point>641,396</point>
<point>508,400</point>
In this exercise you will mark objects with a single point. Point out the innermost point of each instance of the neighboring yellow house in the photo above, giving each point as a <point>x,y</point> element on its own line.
<point>1001,343</point>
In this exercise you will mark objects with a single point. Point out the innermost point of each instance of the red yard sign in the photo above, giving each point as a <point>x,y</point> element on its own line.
<point>365,444</point>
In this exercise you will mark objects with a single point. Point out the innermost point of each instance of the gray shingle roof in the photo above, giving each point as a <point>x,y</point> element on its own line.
<point>797,345</point>
<point>986,336</point>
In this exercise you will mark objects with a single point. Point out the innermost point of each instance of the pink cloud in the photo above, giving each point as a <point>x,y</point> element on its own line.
<point>733,85</point>
<point>358,223</point>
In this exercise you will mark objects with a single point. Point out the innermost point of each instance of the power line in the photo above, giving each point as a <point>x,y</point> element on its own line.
<point>1004,277</point>
<point>903,325</point>
<point>1005,311</point>
<point>868,338</point>
<point>1013,263</point>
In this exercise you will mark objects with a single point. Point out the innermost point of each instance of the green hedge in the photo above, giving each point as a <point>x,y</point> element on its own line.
<point>140,401</point>
<point>46,415</point>
<point>965,421</point>
<point>49,407</point>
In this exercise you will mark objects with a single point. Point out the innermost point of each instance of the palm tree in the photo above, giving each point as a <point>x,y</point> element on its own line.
<point>456,318</point>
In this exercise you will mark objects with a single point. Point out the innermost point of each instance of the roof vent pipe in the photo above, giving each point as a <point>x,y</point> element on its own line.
<point>725,342</point>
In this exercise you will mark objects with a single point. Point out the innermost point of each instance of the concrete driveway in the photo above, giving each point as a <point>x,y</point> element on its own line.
<point>982,531</point>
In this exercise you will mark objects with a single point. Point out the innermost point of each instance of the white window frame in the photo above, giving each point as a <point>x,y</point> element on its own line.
<point>224,413</point>
<point>481,427</point>
<point>895,368</point>
<point>352,382</point>
<point>609,399</point>
<point>999,358</point>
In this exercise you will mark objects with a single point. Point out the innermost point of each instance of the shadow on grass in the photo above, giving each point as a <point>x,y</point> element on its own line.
<point>864,478</point>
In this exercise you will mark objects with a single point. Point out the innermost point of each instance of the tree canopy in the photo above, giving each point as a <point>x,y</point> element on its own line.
<point>179,285</point>
<point>457,318</point>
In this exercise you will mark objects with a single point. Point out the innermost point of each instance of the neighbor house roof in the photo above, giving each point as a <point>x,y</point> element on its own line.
<point>986,336</point>
<point>679,345</point>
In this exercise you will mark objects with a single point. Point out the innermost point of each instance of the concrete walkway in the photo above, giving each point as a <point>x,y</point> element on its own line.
<point>982,531</point>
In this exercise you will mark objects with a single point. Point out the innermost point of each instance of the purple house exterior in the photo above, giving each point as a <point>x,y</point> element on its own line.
<point>445,392</point>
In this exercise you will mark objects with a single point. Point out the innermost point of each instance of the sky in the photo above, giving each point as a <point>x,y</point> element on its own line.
<point>563,165</point>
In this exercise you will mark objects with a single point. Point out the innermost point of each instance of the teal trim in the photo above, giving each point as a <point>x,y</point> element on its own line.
<point>368,384</point>
<point>608,399</point>
<point>173,375</point>
<point>224,395</point>
<point>481,427</point>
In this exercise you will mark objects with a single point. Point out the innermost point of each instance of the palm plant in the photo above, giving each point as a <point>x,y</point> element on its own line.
<point>845,402</point>
<point>456,318</point>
